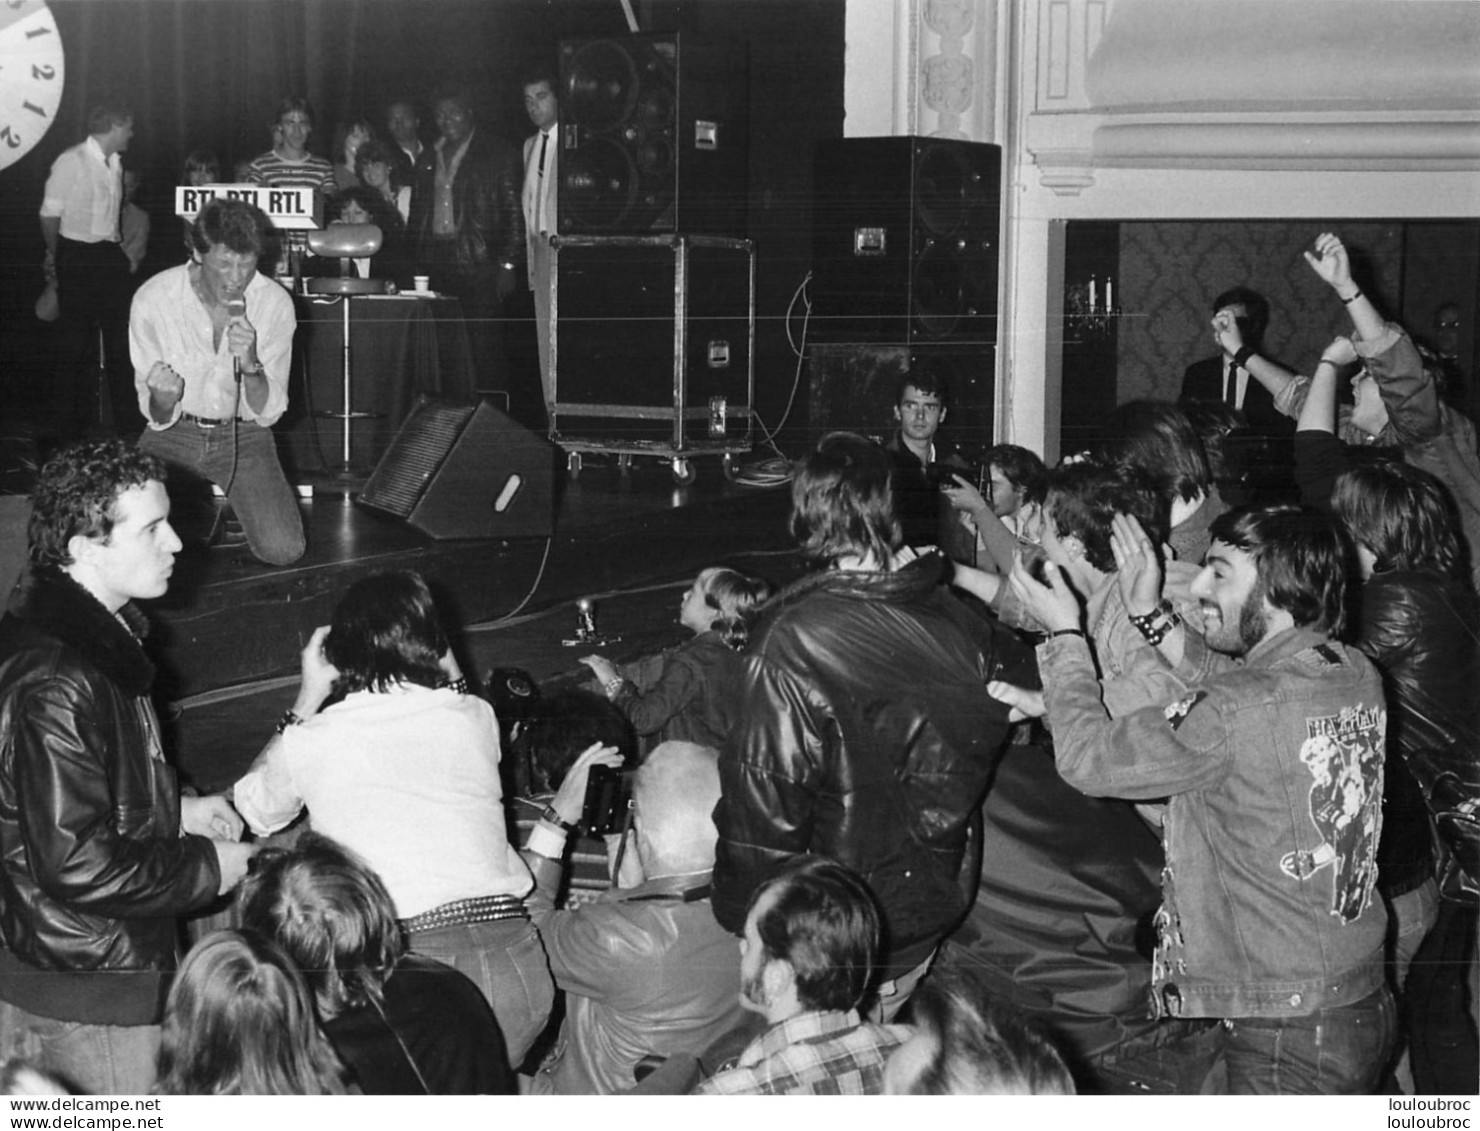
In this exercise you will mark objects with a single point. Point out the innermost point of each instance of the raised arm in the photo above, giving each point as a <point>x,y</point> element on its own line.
<point>1329,260</point>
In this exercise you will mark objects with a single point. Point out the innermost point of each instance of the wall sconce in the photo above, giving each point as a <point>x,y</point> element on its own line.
<point>1090,310</point>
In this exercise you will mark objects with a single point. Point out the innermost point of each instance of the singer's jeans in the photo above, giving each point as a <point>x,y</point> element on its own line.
<point>246,467</point>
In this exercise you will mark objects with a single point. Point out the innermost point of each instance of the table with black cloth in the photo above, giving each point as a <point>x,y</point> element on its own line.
<point>400,347</point>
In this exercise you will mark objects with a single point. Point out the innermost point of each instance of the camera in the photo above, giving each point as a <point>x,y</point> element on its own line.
<point>944,474</point>
<point>608,799</point>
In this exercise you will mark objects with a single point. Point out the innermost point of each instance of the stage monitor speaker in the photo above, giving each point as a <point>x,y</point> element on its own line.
<point>465,471</point>
<point>905,240</point>
<point>654,135</point>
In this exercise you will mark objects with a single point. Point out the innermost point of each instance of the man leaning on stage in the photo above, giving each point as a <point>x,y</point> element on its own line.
<point>810,951</point>
<point>1273,763</point>
<point>646,970</point>
<point>80,213</point>
<point>212,341</point>
<point>100,853</point>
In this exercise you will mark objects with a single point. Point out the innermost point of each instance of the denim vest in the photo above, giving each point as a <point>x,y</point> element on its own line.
<point>1274,768</point>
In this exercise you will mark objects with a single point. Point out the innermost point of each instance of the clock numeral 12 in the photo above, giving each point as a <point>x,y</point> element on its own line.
<point>8,136</point>
<point>43,72</point>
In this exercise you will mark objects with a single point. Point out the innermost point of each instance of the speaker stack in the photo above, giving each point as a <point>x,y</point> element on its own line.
<point>905,269</point>
<point>654,136</point>
<point>465,471</point>
<point>653,282</point>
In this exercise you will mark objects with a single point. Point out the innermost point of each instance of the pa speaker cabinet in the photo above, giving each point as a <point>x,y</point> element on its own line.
<point>855,387</point>
<point>905,240</point>
<point>653,342</point>
<point>654,135</point>
<point>465,471</point>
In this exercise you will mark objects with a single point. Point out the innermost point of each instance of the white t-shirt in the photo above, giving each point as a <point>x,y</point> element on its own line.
<point>406,778</point>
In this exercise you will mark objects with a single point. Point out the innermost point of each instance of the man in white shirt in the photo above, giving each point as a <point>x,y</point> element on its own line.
<point>84,256</point>
<point>212,342</point>
<point>541,151</point>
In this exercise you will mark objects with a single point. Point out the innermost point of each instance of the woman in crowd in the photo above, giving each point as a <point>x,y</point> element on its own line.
<point>363,205</point>
<point>394,760</point>
<point>238,1022</point>
<point>349,138</point>
<point>378,169</point>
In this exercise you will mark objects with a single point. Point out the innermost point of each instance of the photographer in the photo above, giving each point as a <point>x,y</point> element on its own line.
<point>923,465</point>
<point>646,970</point>
<point>395,761</point>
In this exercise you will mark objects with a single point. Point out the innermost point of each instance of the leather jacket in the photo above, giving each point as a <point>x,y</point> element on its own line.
<point>95,870</point>
<point>485,204</point>
<point>646,972</point>
<point>1274,767</point>
<point>865,733</point>
<point>1423,633</point>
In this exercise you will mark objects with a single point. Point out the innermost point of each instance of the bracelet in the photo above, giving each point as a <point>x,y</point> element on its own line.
<point>1143,622</point>
<point>1349,301</point>
<point>551,816</point>
<point>613,686</point>
<point>460,684</point>
<point>1155,625</point>
<point>1079,632</point>
<point>291,718</point>
<point>1241,358</point>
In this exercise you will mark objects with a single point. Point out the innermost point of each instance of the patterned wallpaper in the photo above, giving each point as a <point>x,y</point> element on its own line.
<point>1170,273</point>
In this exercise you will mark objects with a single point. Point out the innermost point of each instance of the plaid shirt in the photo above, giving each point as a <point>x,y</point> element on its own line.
<point>827,1053</point>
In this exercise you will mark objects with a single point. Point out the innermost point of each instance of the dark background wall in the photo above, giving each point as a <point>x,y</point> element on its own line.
<point>208,75</point>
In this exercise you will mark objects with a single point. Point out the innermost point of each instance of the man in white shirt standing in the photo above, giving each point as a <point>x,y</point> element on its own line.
<point>84,257</point>
<point>541,151</point>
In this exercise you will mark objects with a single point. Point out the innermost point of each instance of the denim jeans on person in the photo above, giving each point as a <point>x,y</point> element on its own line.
<point>244,465</point>
<point>1337,1051</point>
<point>507,961</point>
<point>103,1060</point>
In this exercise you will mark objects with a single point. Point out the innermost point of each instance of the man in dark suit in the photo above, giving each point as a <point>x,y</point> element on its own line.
<point>467,227</point>
<point>1221,380</point>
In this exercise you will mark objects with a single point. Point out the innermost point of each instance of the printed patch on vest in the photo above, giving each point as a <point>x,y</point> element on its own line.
<point>1177,713</point>
<point>1343,753</point>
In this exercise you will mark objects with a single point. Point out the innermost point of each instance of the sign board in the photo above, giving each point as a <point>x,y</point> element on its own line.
<point>287,206</point>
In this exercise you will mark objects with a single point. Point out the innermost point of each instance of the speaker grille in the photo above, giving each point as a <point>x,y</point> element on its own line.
<point>414,457</point>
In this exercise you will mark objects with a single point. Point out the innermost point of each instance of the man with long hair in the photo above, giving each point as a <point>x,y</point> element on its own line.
<point>865,732</point>
<point>1273,764</point>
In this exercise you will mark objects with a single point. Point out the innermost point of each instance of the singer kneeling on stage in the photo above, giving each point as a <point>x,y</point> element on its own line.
<point>211,342</point>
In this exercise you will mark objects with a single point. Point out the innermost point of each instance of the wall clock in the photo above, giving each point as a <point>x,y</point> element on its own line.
<point>32,68</point>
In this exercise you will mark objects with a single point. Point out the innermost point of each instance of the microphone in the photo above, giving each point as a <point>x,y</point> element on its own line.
<point>236,308</point>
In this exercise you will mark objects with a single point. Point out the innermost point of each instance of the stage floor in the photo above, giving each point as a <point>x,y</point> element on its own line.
<point>229,633</point>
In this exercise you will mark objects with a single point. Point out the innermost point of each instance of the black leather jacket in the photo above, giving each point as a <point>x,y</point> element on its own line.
<point>866,734</point>
<point>485,204</point>
<point>95,870</point>
<point>1421,631</point>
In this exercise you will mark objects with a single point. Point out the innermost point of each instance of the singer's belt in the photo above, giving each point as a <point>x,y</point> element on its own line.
<point>208,421</point>
<point>482,909</point>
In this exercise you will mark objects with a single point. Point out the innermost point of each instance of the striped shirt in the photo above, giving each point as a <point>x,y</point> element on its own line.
<point>819,1053</point>
<point>272,170</point>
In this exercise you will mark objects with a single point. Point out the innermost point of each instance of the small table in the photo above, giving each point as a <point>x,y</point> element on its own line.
<point>400,347</point>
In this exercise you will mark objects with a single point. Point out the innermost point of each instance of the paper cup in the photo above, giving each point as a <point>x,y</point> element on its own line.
<point>422,282</point>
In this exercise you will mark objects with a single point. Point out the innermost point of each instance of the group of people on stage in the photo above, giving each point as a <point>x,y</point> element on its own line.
<point>1041,780</point>
<point>209,378</point>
